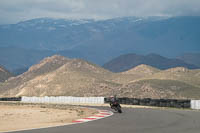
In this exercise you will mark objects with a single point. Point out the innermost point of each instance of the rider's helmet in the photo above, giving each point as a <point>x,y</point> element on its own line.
<point>112,98</point>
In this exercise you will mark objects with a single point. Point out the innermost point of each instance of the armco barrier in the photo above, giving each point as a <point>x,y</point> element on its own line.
<point>10,99</point>
<point>154,102</point>
<point>63,99</point>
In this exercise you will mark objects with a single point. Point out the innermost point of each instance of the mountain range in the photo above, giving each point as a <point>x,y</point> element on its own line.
<point>60,76</point>
<point>18,60</point>
<point>128,61</point>
<point>27,42</point>
<point>191,58</point>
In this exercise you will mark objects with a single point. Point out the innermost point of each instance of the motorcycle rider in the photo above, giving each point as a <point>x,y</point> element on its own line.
<point>113,101</point>
<point>114,104</point>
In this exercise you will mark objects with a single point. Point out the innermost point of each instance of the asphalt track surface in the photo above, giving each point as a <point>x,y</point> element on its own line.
<point>135,121</point>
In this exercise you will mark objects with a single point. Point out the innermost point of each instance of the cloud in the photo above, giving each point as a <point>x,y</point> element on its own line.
<point>17,10</point>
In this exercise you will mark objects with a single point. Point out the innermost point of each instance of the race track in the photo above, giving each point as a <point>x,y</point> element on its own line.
<point>136,121</point>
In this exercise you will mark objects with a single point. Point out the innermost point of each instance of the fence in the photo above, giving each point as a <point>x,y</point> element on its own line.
<point>193,104</point>
<point>63,99</point>
<point>154,102</point>
<point>10,99</point>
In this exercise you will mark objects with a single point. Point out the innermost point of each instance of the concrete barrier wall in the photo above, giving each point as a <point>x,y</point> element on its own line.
<point>195,104</point>
<point>63,99</point>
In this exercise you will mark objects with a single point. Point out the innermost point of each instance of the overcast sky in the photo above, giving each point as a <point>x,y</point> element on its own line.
<point>12,11</point>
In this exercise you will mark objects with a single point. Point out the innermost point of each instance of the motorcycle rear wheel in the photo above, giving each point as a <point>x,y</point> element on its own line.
<point>119,109</point>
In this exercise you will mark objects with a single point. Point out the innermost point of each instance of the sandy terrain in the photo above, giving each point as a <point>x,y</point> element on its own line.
<point>17,116</point>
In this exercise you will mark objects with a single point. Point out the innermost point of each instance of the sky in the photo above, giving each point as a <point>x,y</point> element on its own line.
<point>13,11</point>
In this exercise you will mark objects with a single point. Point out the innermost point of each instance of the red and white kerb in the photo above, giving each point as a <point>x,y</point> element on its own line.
<point>100,115</point>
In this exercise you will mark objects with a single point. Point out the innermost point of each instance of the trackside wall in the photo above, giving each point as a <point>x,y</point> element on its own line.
<point>195,104</point>
<point>175,103</point>
<point>63,99</point>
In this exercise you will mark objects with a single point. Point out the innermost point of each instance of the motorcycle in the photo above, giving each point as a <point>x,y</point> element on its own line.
<point>116,106</point>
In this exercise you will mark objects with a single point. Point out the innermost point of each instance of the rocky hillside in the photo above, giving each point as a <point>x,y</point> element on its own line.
<point>188,76</point>
<point>159,88</point>
<point>143,70</point>
<point>57,75</point>
<point>60,76</point>
<point>174,82</point>
<point>4,74</point>
<point>128,61</point>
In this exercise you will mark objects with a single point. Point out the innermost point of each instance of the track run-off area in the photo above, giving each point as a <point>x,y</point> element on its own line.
<point>135,120</point>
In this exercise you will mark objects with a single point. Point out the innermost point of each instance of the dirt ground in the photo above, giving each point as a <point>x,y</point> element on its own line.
<point>18,116</point>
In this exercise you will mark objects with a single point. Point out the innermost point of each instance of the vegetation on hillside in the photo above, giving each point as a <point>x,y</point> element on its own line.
<point>60,76</point>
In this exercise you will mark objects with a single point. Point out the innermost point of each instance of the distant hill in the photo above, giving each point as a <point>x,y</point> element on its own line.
<point>182,74</point>
<point>60,76</point>
<point>177,82</point>
<point>160,88</point>
<point>128,61</point>
<point>45,66</point>
<point>142,70</point>
<point>4,74</point>
<point>103,40</point>
<point>191,58</point>
<point>18,60</point>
